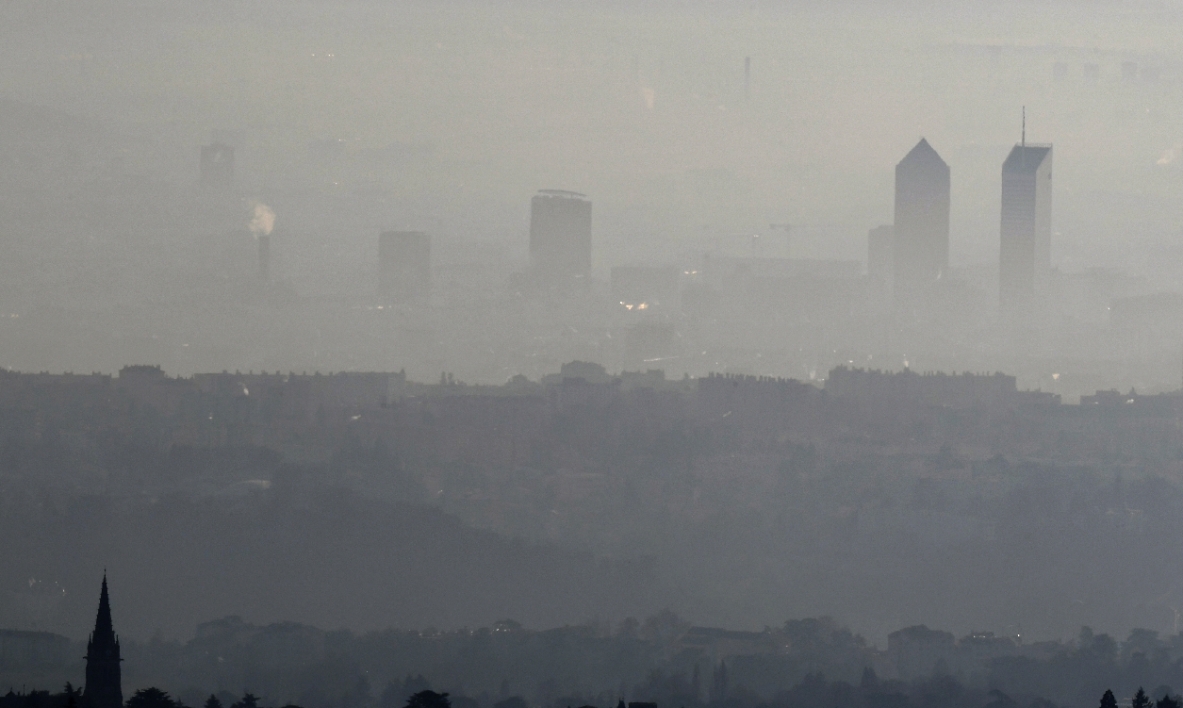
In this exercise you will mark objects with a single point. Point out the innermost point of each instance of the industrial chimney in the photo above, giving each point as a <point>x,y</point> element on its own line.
<point>264,257</point>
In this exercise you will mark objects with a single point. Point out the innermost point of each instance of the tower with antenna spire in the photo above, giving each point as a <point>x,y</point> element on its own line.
<point>104,686</point>
<point>1025,234</point>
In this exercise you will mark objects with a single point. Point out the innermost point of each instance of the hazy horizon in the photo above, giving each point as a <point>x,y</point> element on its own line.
<point>735,156</point>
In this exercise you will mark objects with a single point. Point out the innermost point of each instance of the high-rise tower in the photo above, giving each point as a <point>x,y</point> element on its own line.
<point>1025,241</point>
<point>104,688</point>
<point>921,229</point>
<point>560,235</point>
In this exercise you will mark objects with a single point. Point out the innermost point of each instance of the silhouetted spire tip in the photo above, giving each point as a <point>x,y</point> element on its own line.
<point>102,624</point>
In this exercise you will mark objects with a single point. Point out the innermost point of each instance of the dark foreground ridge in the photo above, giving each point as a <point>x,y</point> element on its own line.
<point>813,692</point>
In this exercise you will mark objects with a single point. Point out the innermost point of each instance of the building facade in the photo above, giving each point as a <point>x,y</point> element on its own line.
<point>921,229</point>
<point>1026,228</point>
<point>560,235</point>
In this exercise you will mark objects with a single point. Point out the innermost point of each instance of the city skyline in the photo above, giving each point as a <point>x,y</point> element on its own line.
<point>507,354</point>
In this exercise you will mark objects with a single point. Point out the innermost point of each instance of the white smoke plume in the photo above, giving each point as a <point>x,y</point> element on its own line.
<point>262,220</point>
<point>1169,156</point>
<point>649,96</point>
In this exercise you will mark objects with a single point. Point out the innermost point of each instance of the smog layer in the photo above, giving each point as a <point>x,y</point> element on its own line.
<point>375,347</point>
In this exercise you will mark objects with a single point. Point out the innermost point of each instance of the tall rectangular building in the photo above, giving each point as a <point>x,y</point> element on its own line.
<point>1025,243</point>
<point>921,228</point>
<point>560,234</point>
<point>404,265</point>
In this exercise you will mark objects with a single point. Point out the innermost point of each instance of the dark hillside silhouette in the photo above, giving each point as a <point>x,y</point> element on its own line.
<point>322,553</point>
<point>733,500</point>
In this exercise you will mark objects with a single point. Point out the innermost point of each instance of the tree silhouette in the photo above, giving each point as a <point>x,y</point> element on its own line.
<point>1167,701</point>
<point>1141,700</point>
<point>428,699</point>
<point>869,680</point>
<point>1107,700</point>
<point>213,702</point>
<point>151,697</point>
<point>248,700</point>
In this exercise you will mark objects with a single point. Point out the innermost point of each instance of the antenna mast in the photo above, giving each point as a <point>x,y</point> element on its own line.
<point>1024,143</point>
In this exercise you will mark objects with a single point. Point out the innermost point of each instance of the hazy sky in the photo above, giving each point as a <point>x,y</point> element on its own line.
<point>642,106</point>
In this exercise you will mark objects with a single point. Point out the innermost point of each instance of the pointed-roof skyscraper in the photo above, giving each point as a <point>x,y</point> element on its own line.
<point>104,685</point>
<point>921,230</point>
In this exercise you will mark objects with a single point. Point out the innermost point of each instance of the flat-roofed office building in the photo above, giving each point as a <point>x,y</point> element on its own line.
<point>560,235</point>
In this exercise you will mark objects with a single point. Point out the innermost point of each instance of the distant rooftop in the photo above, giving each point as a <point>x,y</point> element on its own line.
<point>562,193</point>
<point>1026,158</point>
<point>923,152</point>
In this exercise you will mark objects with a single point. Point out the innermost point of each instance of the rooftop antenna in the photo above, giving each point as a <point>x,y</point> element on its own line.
<point>1024,138</point>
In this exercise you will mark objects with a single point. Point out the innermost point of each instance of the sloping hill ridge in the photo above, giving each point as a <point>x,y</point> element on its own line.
<point>332,559</point>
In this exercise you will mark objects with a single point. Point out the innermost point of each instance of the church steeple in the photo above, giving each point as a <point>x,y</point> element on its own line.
<point>104,687</point>
<point>102,623</point>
